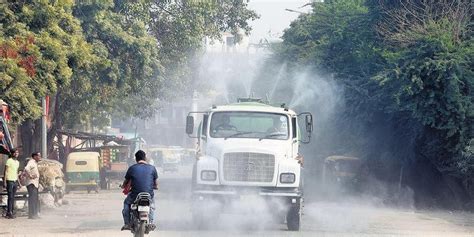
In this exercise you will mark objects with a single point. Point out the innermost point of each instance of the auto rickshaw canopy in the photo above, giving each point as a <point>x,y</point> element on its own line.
<point>83,161</point>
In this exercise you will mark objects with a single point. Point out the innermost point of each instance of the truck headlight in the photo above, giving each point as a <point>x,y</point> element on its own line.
<point>287,178</point>
<point>208,175</point>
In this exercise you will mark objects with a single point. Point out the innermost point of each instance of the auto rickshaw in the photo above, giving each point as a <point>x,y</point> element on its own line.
<point>189,156</point>
<point>166,158</point>
<point>340,170</point>
<point>171,161</point>
<point>83,171</point>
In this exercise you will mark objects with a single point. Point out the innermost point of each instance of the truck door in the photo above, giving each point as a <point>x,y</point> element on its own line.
<point>294,137</point>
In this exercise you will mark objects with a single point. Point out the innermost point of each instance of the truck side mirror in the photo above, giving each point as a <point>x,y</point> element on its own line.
<point>309,123</point>
<point>189,124</point>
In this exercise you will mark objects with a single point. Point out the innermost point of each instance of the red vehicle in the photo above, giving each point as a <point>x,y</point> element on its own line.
<point>5,139</point>
<point>6,144</point>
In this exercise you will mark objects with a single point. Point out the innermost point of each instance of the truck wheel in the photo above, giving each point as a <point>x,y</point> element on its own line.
<point>293,217</point>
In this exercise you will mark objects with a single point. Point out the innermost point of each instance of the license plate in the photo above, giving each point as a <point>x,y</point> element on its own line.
<point>144,208</point>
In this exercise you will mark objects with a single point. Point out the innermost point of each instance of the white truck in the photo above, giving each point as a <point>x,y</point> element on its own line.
<point>248,148</point>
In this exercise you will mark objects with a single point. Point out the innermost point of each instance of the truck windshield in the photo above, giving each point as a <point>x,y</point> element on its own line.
<point>249,125</point>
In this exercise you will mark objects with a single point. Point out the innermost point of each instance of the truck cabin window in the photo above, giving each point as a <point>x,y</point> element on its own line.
<point>249,125</point>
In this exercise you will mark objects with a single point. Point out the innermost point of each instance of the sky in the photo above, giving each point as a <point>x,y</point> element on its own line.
<point>273,17</point>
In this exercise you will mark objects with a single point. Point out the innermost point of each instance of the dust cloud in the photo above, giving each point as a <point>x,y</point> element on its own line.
<point>334,206</point>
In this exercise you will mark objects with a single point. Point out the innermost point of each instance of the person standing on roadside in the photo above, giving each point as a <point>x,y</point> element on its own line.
<point>32,184</point>
<point>10,181</point>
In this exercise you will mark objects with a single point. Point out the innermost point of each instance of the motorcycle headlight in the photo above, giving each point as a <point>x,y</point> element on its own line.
<point>287,178</point>
<point>208,175</point>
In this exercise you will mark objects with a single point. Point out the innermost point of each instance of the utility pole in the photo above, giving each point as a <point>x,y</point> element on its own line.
<point>44,131</point>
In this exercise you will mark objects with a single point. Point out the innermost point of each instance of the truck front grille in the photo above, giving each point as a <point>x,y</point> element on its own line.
<point>248,167</point>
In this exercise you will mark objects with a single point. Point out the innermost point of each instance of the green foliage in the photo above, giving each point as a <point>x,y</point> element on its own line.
<point>407,75</point>
<point>51,38</point>
<point>126,76</point>
<point>432,79</point>
<point>17,86</point>
<point>338,37</point>
<point>98,59</point>
<point>329,33</point>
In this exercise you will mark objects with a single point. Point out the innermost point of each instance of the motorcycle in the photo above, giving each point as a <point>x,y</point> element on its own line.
<point>140,215</point>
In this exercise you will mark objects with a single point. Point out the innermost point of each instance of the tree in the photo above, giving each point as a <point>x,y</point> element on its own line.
<point>406,72</point>
<point>128,75</point>
<point>50,39</point>
<point>181,27</point>
<point>17,70</point>
<point>98,59</point>
<point>431,75</point>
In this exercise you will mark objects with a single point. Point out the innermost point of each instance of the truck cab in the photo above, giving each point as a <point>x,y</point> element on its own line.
<point>249,148</point>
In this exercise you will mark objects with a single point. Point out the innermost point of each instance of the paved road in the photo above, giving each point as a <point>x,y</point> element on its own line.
<point>99,215</point>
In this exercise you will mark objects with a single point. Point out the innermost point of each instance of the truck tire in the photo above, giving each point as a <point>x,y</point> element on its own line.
<point>293,217</point>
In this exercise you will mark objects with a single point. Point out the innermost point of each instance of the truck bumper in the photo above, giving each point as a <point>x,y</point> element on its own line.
<point>229,192</point>
<point>273,193</point>
<point>242,200</point>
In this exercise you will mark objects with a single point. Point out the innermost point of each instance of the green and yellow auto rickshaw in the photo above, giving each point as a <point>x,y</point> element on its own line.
<point>83,171</point>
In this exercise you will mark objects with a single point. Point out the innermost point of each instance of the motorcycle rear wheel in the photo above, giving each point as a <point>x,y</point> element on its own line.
<point>140,231</point>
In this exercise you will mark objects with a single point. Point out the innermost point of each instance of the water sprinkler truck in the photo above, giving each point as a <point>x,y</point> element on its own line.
<point>248,149</point>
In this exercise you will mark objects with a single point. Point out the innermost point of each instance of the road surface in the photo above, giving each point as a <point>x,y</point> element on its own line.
<point>100,215</point>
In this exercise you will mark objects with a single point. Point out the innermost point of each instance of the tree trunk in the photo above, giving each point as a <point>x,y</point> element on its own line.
<point>30,134</point>
<point>56,125</point>
<point>26,137</point>
<point>53,128</point>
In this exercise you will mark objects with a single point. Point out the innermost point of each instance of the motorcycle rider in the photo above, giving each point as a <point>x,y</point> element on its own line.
<point>143,178</point>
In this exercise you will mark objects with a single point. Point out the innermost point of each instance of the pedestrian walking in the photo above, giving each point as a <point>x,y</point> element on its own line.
<point>32,184</point>
<point>10,181</point>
